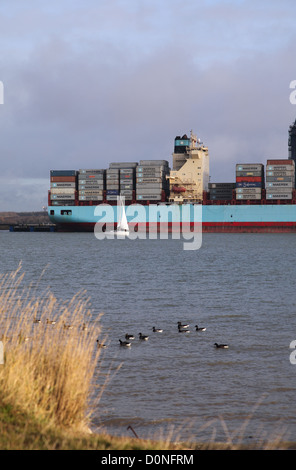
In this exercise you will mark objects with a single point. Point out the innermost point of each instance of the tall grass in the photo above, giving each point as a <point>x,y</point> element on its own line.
<point>49,368</point>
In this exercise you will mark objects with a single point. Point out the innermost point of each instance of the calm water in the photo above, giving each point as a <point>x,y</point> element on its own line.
<point>241,287</point>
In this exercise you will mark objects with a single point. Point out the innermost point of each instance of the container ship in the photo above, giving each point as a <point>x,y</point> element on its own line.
<point>261,199</point>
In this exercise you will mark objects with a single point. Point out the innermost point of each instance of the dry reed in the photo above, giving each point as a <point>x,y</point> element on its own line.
<point>50,352</point>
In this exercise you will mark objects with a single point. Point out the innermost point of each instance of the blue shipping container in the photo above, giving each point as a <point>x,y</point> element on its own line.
<point>249,184</point>
<point>112,192</point>
<point>63,172</point>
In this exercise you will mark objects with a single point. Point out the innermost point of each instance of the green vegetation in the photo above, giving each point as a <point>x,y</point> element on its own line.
<point>20,430</point>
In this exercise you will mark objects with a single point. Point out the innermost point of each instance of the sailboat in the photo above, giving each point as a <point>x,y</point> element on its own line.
<point>122,229</point>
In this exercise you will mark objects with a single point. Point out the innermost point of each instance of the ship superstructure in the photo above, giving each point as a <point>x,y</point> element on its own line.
<point>189,177</point>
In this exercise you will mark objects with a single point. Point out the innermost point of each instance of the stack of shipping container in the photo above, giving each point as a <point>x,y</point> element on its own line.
<point>151,180</point>
<point>91,185</point>
<point>112,184</point>
<point>126,178</point>
<point>62,187</point>
<point>249,181</point>
<point>221,191</point>
<point>280,179</point>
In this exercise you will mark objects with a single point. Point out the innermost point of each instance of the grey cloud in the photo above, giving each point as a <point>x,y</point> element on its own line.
<point>85,97</point>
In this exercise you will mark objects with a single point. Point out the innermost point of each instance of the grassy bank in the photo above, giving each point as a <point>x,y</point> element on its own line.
<point>50,381</point>
<point>20,430</point>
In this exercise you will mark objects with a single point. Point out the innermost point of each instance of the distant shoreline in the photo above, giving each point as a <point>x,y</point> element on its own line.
<point>12,218</point>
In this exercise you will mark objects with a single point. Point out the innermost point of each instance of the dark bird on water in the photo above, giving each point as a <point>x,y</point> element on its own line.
<point>200,328</point>
<point>143,337</point>
<point>157,330</point>
<point>221,346</point>
<point>127,344</point>
<point>127,336</point>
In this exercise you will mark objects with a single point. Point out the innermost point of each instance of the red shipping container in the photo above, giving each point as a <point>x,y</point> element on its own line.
<point>257,179</point>
<point>58,179</point>
<point>280,162</point>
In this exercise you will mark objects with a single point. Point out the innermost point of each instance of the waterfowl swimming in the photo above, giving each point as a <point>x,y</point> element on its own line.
<point>36,320</point>
<point>222,346</point>
<point>200,329</point>
<point>183,330</point>
<point>186,325</point>
<point>143,337</point>
<point>100,345</point>
<point>67,327</point>
<point>50,322</point>
<point>127,336</point>
<point>125,343</point>
<point>84,327</point>
<point>157,330</point>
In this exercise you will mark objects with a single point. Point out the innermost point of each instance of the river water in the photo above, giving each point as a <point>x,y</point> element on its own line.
<point>241,287</point>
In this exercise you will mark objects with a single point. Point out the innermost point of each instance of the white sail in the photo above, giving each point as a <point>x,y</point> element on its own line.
<point>122,224</point>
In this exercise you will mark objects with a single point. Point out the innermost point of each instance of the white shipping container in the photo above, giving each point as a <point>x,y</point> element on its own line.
<point>92,171</point>
<point>63,184</point>
<point>280,173</point>
<point>277,195</point>
<point>98,192</point>
<point>149,169</point>
<point>91,176</point>
<point>126,171</point>
<point>62,190</point>
<point>90,198</point>
<point>149,180</point>
<point>62,196</point>
<point>280,189</point>
<point>248,191</point>
<point>249,197</point>
<point>280,168</point>
<point>141,197</point>
<point>279,184</point>
<point>249,167</point>
<point>84,180</point>
<point>94,187</point>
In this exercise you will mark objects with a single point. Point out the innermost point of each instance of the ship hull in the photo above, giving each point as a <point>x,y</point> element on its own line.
<point>261,218</point>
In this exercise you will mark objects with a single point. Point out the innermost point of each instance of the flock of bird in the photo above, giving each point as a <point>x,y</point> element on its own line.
<point>182,328</point>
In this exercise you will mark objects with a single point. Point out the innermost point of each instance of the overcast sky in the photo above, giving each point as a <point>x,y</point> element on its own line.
<point>88,82</point>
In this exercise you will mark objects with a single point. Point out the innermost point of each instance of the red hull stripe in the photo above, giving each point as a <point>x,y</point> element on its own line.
<point>207,227</point>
